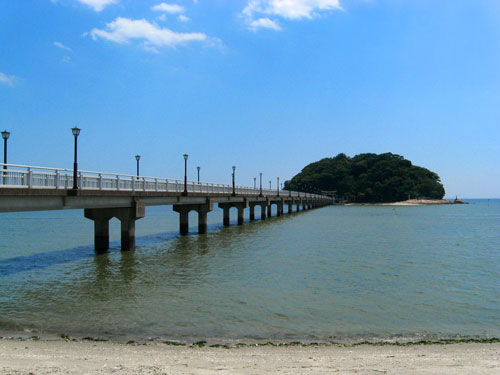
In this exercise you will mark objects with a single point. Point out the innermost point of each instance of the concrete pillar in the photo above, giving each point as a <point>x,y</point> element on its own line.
<point>298,206</point>
<point>101,219</point>
<point>269,210</point>
<point>304,206</point>
<point>241,212</point>
<point>263,212</point>
<point>127,217</point>
<point>201,209</point>
<point>290,207</point>
<point>226,215</point>
<point>252,212</point>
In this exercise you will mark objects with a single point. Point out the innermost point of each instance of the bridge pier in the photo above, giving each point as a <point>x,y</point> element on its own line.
<point>241,211</point>
<point>269,210</point>
<point>279,207</point>
<point>290,207</point>
<point>127,217</point>
<point>252,212</point>
<point>201,209</point>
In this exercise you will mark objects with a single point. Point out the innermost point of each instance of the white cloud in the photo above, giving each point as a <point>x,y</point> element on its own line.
<point>9,80</point>
<point>183,18</point>
<point>98,5</point>
<point>162,17</point>
<point>258,12</point>
<point>168,8</point>
<point>62,46</point>
<point>265,23</point>
<point>123,30</point>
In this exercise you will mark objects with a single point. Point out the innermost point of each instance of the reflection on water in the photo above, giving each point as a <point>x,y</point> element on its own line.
<point>336,272</point>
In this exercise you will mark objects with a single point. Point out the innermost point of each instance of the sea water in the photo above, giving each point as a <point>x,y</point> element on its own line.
<point>338,273</point>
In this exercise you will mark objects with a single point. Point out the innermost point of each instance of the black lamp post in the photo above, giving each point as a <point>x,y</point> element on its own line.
<point>270,185</point>
<point>76,133</point>
<point>255,183</point>
<point>198,168</point>
<point>234,191</point>
<point>5,136</point>
<point>185,174</point>
<point>137,157</point>
<point>278,186</point>
<point>260,174</point>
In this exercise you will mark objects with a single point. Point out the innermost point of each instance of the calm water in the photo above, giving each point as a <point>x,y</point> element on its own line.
<point>336,273</point>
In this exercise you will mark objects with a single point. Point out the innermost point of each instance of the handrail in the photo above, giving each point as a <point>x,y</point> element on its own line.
<point>61,178</point>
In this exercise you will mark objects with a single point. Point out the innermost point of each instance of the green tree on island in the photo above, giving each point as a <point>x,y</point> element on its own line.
<point>368,178</point>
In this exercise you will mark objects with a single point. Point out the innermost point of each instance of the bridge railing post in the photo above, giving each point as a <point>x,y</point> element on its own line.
<point>118,183</point>
<point>156,184</point>
<point>30,178</point>
<point>56,182</point>
<point>144,183</point>
<point>133,184</point>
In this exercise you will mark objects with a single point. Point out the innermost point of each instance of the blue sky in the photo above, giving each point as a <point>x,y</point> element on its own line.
<point>266,85</point>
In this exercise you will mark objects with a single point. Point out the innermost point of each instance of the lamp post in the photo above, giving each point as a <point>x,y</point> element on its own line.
<point>5,136</point>
<point>278,186</point>
<point>260,194</point>
<point>270,185</point>
<point>234,192</point>
<point>255,183</point>
<point>76,133</point>
<point>198,168</point>
<point>137,158</point>
<point>185,174</point>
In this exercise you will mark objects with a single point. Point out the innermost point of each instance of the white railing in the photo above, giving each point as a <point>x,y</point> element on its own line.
<point>22,176</point>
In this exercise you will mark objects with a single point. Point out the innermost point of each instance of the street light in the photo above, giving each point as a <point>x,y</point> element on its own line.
<point>234,192</point>
<point>270,185</point>
<point>185,174</point>
<point>5,136</point>
<point>278,186</point>
<point>255,183</point>
<point>198,168</point>
<point>76,133</point>
<point>137,157</point>
<point>260,174</point>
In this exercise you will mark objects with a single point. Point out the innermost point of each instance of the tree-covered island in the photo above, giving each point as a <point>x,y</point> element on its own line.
<point>368,178</point>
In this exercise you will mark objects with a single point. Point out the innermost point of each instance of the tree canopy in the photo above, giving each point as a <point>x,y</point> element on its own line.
<point>368,178</point>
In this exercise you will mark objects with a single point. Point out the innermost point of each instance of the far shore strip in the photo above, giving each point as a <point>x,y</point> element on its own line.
<point>88,357</point>
<point>409,202</point>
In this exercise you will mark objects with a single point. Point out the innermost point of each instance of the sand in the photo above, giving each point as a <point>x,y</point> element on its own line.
<point>86,357</point>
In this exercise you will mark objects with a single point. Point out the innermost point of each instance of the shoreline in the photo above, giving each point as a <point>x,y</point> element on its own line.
<point>410,202</point>
<point>75,357</point>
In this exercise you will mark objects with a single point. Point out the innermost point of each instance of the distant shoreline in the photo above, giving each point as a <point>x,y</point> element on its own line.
<point>409,202</point>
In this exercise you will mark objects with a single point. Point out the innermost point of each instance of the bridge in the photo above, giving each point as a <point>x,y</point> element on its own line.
<point>104,196</point>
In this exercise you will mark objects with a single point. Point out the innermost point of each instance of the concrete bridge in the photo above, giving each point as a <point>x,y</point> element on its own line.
<point>104,196</point>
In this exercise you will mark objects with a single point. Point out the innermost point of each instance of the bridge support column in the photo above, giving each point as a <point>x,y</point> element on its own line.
<point>279,208</point>
<point>298,206</point>
<point>263,211</point>
<point>101,219</point>
<point>269,210</point>
<point>304,206</point>
<point>201,209</point>
<point>127,217</point>
<point>241,214</point>
<point>241,211</point>
<point>252,212</point>
<point>290,207</point>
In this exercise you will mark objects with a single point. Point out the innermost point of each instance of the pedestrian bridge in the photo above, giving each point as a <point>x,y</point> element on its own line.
<point>103,196</point>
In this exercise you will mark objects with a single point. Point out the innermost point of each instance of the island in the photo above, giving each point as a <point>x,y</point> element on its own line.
<point>370,178</point>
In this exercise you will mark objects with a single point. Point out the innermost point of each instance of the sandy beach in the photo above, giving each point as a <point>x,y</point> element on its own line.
<point>87,357</point>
